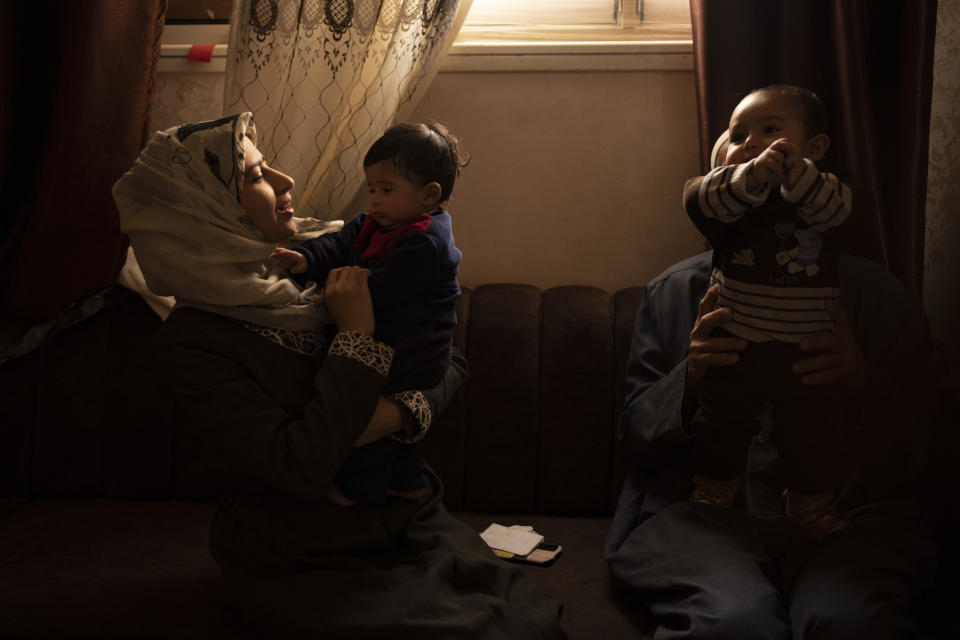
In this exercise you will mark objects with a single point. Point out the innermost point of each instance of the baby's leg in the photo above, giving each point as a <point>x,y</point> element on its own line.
<point>730,404</point>
<point>811,436</point>
<point>363,476</point>
<point>336,496</point>
<point>813,442</point>
<point>407,479</point>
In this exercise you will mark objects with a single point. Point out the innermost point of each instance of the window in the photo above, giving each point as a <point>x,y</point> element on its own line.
<point>574,35</point>
<point>492,21</point>
<point>194,11</point>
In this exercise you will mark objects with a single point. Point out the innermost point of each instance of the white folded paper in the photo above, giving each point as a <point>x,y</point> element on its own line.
<point>517,540</point>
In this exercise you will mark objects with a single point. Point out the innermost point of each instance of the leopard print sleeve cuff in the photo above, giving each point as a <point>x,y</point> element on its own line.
<point>364,349</point>
<point>417,404</point>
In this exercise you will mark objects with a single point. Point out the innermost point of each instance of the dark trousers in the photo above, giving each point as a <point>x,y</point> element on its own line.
<point>808,425</point>
<point>709,572</point>
<point>383,464</point>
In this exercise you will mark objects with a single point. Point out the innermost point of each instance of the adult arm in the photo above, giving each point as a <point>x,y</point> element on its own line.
<point>657,409</point>
<point>879,356</point>
<point>261,444</point>
<point>244,431</point>
<point>420,407</point>
<point>880,347</point>
<point>893,335</point>
<point>406,416</point>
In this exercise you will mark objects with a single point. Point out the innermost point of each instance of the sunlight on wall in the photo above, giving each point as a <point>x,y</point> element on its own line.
<point>575,178</point>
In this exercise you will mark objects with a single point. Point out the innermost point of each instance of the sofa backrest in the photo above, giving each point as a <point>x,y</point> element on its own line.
<point>87,414</point>
<point>533,431</point>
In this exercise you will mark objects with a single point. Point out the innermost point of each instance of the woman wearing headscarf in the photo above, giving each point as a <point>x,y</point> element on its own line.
<point>276,405</point>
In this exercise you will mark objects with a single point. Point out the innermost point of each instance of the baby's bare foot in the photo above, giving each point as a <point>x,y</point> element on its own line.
<point>336,496</point>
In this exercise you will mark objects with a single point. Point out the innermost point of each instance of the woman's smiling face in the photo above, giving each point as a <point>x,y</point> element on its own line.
<point>266,196</point>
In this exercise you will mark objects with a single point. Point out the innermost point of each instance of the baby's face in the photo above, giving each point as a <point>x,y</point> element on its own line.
<point>759,120</point>
<point>395,200</point>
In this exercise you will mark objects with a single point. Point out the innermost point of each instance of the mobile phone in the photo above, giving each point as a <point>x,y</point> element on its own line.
<point>544,555</point>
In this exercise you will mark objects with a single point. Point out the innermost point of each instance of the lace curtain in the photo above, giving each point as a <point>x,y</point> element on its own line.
<point>324,78</point>
<point>941,279</point>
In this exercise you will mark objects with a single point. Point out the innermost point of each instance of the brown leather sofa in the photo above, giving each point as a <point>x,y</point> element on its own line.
<point>104,514</point>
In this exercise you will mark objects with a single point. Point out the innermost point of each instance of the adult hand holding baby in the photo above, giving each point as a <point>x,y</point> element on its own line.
<point>839,360</point>
<point>348,300</point>
<point>707,350</point>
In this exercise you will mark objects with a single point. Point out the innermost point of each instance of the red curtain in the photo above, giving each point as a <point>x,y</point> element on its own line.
<point>77,83</point>
<point>872,64</point>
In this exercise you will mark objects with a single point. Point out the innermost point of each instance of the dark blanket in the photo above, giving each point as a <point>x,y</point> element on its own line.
<point>413,571</point>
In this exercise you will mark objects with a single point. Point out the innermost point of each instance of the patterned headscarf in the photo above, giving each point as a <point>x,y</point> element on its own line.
<point>180,205</point>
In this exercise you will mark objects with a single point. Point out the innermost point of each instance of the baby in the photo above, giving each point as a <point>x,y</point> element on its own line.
<point>767,212</point>
<point>406,240</point>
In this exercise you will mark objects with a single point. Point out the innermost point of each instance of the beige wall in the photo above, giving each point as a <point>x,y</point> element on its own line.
<point>574,178</point>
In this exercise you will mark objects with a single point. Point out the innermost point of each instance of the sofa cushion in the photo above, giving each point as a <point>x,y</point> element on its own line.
<point>87,414</point>
<point>111,569</point>
<point>503,404</point>
<point>541,403</point>
<point>576,394</point>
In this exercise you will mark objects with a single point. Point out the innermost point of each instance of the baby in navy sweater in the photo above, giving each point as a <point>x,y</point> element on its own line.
<point>405,239</point>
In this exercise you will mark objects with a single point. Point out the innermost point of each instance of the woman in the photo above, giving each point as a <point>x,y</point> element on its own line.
<point>204,212</point>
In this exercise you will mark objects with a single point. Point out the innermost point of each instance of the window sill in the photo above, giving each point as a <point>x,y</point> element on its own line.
<point>606,55</point>
<point>173,59</point>
<point>176,43</point>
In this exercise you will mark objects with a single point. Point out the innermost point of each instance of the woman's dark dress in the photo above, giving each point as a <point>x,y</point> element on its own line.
<point>279,428</point>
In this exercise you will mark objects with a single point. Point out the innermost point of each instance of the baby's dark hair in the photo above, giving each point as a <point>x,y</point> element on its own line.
<point>422,153</point>
<point>813,113</point>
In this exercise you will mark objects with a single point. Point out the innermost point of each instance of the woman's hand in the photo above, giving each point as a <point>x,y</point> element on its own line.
<point>389,417</point>
<point>348,300</point>
<point>839,360</point>
<point>705,349</point>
